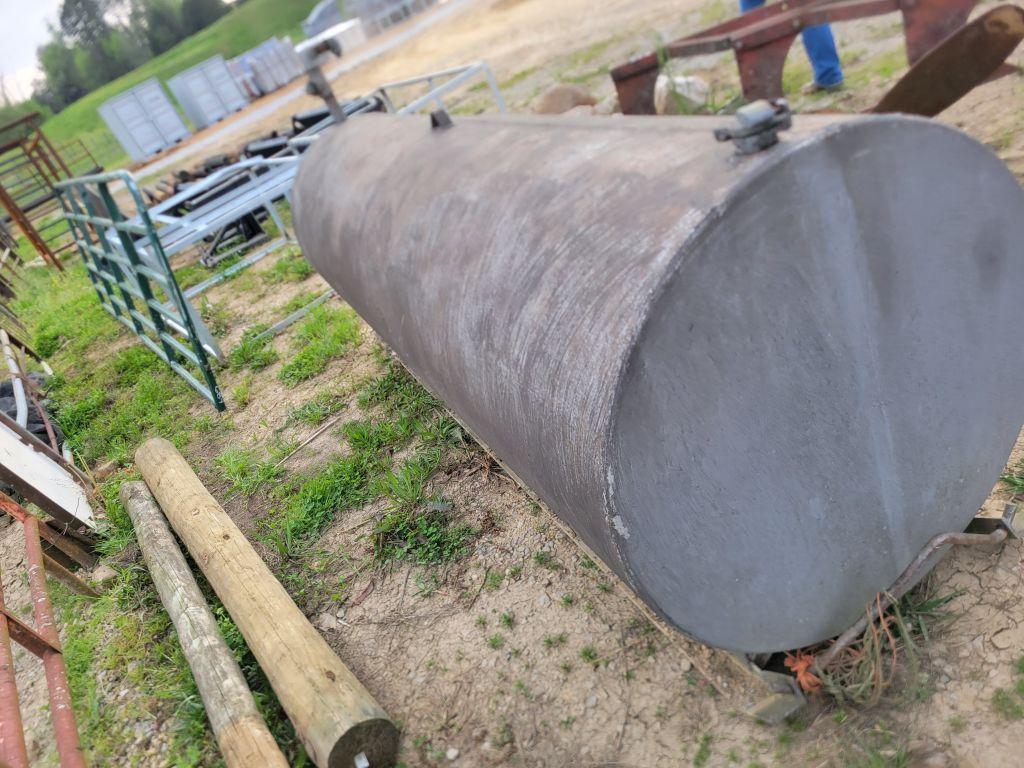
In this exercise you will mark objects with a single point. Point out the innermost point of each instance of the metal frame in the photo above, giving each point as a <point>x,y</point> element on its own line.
<point>43,641</point>
<point>456,78</point>
<point>124,276</point>
<point>30,166</point>
<point>761,40</point>
<point>982,531</point>
<point>128,258</point>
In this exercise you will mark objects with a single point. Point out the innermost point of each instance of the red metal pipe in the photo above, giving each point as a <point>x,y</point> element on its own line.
<point>61,712</point>
<point>12,738</point>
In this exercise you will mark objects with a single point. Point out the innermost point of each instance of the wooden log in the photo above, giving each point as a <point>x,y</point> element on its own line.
<point>334,715</point>
<point>241,734</point>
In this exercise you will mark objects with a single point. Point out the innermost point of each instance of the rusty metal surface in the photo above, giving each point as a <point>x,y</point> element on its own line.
<point>12,736</point>
<point>756,387</point>
<point>917,569</point>
<point>966,59</point>
<point>44,642</point>
<point>61,712</point>
<point>761,39</point>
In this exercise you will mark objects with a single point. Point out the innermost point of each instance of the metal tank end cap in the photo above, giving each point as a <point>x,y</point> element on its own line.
<point>759,125</point>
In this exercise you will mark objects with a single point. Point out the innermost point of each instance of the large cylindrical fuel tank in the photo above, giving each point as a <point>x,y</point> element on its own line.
<point>755,386</point>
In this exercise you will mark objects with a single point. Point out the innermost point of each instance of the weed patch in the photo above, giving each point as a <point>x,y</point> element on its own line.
<point>317,410</point>
<point>324,335</point>
<point>290,268</point>
<point>342,484</point>
<point>246,472</point>
<point>252,352</point>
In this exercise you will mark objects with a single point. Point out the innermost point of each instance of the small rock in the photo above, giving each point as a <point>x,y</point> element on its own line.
<point>681,94</point>
<point>543,601</point>
<point>452,754</point>
<point>327,622</point>
<point>934,760</point>
<point>591,701</point>
<point>685,665</point>
<point>105,470</point>
<point>608,105</point>
<point>103,574</point>
<point>562,97</point>
<point>1011,637</point>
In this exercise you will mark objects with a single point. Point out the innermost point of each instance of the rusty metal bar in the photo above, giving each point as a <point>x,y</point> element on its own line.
<point>12,736</point>
<point>28,229</point>
<point>61,712</point>
<point>913,574</point>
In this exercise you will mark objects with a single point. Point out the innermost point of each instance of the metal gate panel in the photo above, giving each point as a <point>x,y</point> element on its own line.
<point>139,291</point>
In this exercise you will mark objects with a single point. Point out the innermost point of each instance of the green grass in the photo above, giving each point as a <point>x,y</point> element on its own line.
<point>326,334</point>
<point>1010,703</point>
<point>493,580</point>
<point>111,393</point>
<point>546,560</point>
<point>318,409</point>
<point>423,536</point>
<point>341,484</point>
<point>556,641</point>
<point>245,27</point>
<point>246,471</point>
<point>290,268</point>
<point>415,527</point>
<point>252,352</point>
<point>297,302</point>
<point>703,751</point>
<point>1015,479</point>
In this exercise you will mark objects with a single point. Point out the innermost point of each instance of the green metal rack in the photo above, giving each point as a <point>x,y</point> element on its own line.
<point>139,291</point>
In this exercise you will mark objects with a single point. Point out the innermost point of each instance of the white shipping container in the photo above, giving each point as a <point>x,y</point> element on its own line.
<point>208,92</point>
<point>144,120</point>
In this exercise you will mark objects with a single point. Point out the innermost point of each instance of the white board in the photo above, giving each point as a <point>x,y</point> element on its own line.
<point>42,480</point>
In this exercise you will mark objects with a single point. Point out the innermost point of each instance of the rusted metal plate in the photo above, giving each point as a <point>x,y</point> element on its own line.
<point>761,39</point>
<point>756,387</point>
<point>965,60</point>
<point>26,637</point>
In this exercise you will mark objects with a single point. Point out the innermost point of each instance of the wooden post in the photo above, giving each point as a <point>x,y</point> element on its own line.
<point>334,715</point>
<point>242,736</point>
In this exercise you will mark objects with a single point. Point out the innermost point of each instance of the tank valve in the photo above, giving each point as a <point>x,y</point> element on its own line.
<point>759,125</point>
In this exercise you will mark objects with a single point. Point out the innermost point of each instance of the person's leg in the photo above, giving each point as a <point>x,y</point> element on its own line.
<point>820,47</point>
<point>821,50</point>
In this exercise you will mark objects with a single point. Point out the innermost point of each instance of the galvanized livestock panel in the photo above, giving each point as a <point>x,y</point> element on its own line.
<point>755,386</point>
<point>143,120</point>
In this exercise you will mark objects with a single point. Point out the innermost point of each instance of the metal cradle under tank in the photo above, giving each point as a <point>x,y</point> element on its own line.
<point>755,386</point>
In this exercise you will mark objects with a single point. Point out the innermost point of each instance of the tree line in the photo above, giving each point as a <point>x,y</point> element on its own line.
<point>96,41</point>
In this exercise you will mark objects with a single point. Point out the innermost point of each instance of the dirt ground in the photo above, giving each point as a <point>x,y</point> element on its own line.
<point>578,675</point>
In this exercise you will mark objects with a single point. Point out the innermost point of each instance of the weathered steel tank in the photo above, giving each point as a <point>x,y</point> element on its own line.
<point>755,386</point>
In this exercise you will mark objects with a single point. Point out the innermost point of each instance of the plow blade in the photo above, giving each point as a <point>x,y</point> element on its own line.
<point>755,386</point>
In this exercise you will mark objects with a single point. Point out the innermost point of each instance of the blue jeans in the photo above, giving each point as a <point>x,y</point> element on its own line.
<point>820,47</point>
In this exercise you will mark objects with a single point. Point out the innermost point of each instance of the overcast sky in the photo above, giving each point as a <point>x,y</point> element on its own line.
<point>22,31</point>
